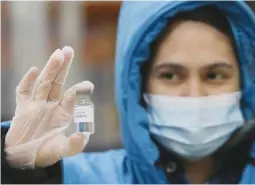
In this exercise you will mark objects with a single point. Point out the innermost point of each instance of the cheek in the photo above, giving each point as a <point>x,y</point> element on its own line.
<point>227,88</point>
<point>230,86</point>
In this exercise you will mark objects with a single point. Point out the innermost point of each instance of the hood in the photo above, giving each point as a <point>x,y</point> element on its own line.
<point>139,24</point>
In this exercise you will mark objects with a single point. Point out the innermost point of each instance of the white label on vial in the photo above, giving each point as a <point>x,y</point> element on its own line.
<point>84,114</point>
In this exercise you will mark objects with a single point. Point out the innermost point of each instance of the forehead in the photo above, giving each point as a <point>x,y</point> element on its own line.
<point>194,43</point>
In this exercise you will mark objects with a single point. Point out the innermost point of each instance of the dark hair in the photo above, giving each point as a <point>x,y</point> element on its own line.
<point>209,14</point>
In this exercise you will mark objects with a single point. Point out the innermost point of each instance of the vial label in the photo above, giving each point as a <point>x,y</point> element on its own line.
<point>85,127</point>
<point>84,118</point>
<point>84,114</point>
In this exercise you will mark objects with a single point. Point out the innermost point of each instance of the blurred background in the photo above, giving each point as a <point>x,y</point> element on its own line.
<point>31,31</point>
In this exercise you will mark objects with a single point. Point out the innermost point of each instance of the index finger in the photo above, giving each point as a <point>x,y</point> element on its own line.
<point>48,74</point>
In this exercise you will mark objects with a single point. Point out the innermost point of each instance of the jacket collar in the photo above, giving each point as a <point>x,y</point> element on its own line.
<point>231,158</point>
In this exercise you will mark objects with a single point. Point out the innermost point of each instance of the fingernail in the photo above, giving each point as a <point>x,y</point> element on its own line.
<point>34,71</point>
<point>90,86</point>
<point>68,53</point>
<point>85,86</point>
<point>59,55</point>
<point>67,49</point>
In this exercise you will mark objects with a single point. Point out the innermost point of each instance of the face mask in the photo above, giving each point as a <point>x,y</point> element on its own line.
<point>193,127</point>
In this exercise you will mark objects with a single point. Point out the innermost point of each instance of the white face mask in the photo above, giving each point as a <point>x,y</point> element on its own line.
<point>193,127</point>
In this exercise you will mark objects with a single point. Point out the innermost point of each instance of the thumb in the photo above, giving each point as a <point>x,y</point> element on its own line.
<point>76,143</point>
<point>60,147</point>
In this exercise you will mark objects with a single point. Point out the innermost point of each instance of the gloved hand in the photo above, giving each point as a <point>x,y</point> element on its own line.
<point>36,135</point>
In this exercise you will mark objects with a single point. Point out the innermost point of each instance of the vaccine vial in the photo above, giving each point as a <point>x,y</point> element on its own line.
<point>84,113</point>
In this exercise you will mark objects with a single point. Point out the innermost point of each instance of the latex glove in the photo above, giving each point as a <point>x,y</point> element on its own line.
<point>36,135</point>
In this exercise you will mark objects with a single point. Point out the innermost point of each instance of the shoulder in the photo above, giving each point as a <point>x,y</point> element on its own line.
<point>98,167</point>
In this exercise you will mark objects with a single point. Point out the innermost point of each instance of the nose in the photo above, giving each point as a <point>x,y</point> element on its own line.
<point>194,87</point>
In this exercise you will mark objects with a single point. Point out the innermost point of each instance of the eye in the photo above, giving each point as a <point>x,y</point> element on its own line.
<point>215,76</point>
<point>169,76</point>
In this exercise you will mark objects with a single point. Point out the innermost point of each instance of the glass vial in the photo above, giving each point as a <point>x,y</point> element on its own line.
<point>84,113</point>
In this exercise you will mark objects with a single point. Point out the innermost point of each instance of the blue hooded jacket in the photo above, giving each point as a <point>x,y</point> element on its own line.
<point>139,24</point>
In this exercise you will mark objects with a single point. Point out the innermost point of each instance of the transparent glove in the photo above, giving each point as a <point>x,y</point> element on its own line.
<point>36,137</point>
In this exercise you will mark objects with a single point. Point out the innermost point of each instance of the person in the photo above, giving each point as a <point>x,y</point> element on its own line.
<point>185,91</point>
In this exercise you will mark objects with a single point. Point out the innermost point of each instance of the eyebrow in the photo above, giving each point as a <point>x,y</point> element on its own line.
<point>179,67</point>
<point>219,65</point>
<point>169,65</point>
